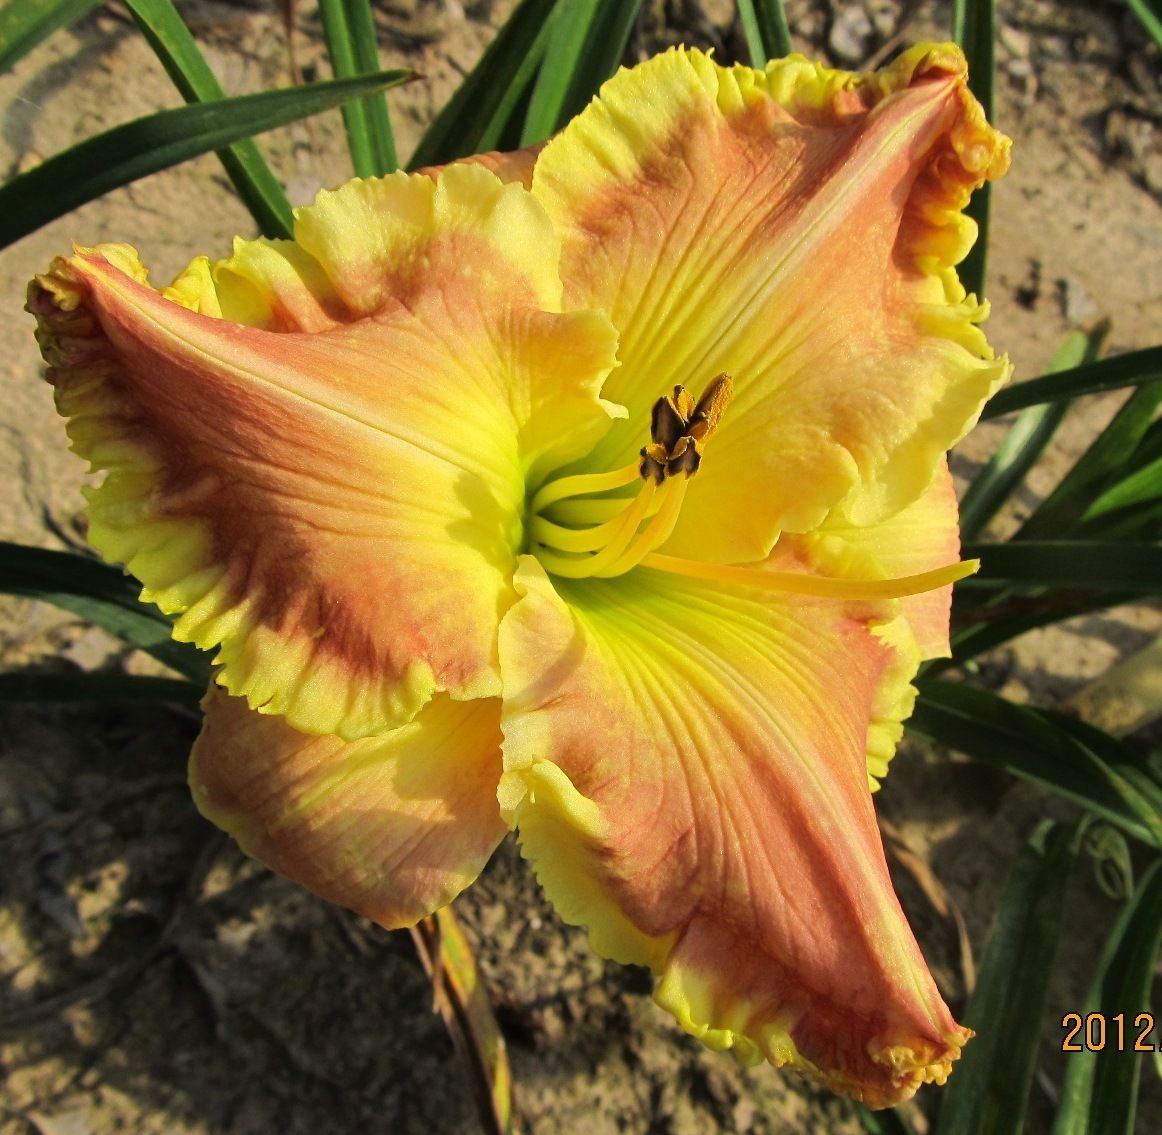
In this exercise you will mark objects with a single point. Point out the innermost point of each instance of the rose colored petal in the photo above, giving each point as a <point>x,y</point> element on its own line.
<point>687,765</point>
<point>333,495</point>
<point>796,228</point>
<point>392,827</point>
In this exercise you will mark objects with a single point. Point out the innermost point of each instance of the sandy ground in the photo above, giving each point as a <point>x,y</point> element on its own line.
<point>156,981</point>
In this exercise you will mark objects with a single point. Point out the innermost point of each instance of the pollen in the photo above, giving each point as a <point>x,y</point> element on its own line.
<point>680,428</point>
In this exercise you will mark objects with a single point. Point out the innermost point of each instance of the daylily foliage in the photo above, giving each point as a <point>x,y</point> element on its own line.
<point>598,493</point>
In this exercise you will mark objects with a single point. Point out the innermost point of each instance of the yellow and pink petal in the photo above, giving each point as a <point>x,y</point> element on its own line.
<point>797,229</point>
<point>392,827</point>
<point>316,454</point>
<point>920,538</point>
<point>688,767</point>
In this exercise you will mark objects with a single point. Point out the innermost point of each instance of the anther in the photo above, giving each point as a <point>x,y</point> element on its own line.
<point>680,427</point>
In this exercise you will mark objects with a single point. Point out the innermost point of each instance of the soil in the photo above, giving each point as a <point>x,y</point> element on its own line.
<point>157,981</point>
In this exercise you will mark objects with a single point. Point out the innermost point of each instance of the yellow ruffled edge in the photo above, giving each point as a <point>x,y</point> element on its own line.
<point>687,998</point>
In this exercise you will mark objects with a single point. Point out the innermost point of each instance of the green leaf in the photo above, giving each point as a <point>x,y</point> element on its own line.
<point>1138,487</point>
<point>1016,615</point>
<point>461,998</point>
<point>1135,368</point>
<point>353,45</point>
<point>973,27</point>
<point>475,118</point>
<point>586,43</point>
<point>1150,13</point>
<point>259,189</point>
<point>362,23</point>
<point>1100,467</point>
<point>1074,759</point>
<point>1069,563</point>
<point>886,1122</point>
<point>98,687</point>
<point>764,24</point>
<point>570,27</point>
<point>103,595</point>
<point>1026,439</point>
<point>989,1091</point>
<point>1100,1092</point>
<point>149,144</point>
<point>25,23</point>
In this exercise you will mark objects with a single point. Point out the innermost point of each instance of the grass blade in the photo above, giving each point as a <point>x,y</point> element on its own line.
<point>571,26</point>
<point>341,50</point>
<point>103,595</point>
<point>1138,487</point>
<point>887,1122</point>
<point>989,1092</point>
<point>153,143</point>
<point>764,24</point>
<point>1100,1093</point>
<point>461,999</point>
<point>99,687</point>
<point>973,27</point>
<point>366,43</point>
<point>172,43</point>
<point>1149,12</point>
<point>1026,439</point>
<point>1098,468</point>
<point>1135,368</point>
<point>1019,615</point>
<point>352,43</point>
<point>586,43</point>
<point>1075,760</point>
<point>476,116</point>
<point>25,23</point>
<point>1135,567</point>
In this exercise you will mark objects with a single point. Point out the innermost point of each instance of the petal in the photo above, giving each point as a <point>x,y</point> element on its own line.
<point>919,538</point>
<point>508,165</point>
<point>335,496</point>
<point>796,229</point>
<point>686,766</point>
<point>392,827</point>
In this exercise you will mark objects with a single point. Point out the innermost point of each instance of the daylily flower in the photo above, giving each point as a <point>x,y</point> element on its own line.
<point>597,493</point>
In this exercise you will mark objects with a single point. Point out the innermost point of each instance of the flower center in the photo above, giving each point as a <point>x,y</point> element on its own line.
<point>629,530</point>
<point>679,431</point>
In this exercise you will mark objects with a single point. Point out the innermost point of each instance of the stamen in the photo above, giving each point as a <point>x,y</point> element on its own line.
<point>624,528</point>
<point>553,535</point>
<point>582,511</point>
<point>581,484</point>
<point>824,587</point>
<point>679,429</point>
<point>655,534</point>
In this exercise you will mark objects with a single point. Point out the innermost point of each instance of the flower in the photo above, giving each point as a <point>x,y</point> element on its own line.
<point>597,493</point>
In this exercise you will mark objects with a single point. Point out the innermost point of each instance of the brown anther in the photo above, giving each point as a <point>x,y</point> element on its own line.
<point>679,428</point>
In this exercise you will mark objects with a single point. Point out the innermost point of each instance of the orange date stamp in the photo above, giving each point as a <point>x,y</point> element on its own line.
<point>1096,1032</point>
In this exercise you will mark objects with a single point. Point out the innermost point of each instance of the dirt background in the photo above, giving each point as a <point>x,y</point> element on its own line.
<point>153,980</point>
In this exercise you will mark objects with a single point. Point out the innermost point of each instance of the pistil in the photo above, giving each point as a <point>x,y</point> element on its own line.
<point>821,586</point>
<point>629,530</point>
